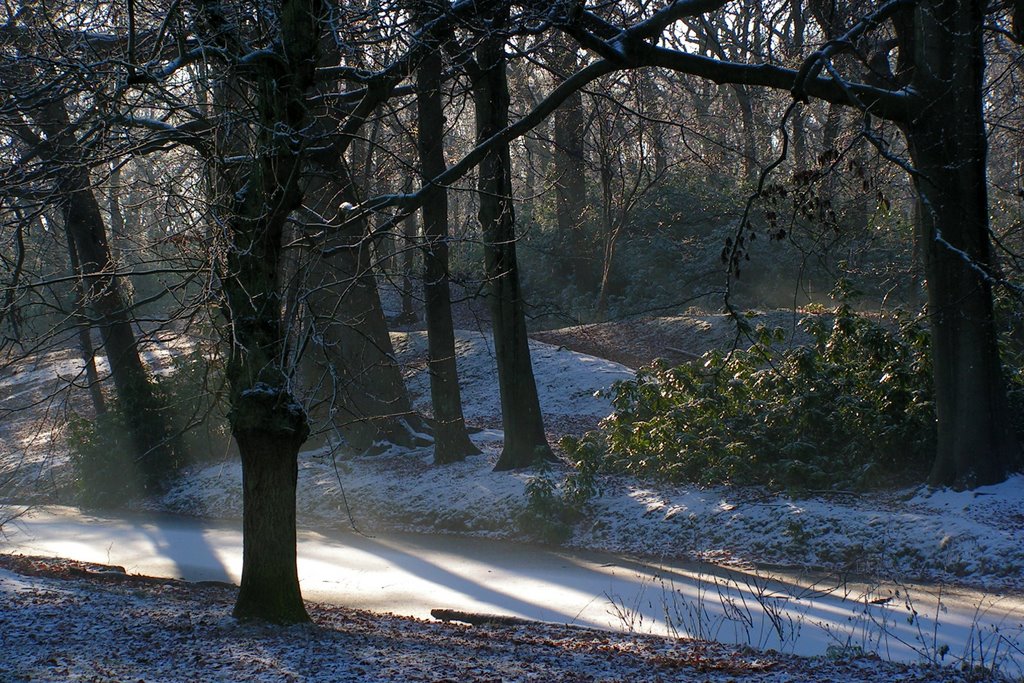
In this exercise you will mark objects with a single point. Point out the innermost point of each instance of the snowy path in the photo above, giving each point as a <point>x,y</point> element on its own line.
<point>409,574</point>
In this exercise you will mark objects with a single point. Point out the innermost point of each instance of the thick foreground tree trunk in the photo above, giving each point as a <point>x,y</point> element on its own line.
<point>254,200</point>
<point>451,440</point>
<point>525,441</point>
<point>976,443</point>
<point>269,437</point>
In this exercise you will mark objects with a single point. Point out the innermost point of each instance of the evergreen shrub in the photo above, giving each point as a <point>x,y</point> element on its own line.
<point>853,409</point>
<point>103,459</point>
<point>108,472</point>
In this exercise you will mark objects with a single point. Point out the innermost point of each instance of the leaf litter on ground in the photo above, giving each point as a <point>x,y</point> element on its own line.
<point>68,622</point>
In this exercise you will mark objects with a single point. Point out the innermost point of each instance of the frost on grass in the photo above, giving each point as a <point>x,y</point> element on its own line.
<point>62,623</point>
<point>974,540</point>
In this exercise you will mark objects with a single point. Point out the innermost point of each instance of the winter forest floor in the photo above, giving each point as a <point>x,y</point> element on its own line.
<point>66,621</point>
<point>159,629</point>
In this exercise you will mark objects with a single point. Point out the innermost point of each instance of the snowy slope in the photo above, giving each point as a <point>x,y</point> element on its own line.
<point>972,538</point>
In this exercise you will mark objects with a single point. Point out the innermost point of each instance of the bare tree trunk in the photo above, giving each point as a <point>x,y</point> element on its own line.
<point>451,440</point>
<point>408,257</point>
<point>92,376</point>
<point>571,207</point>
<point>608,225</point>
<point>269,437</point>
<point>655,130</point>
<point>254,200</point>
<point>751,165</point>
<point>799,25</point>
<point>948,145</point>
<point>117,224</point>
<point>525,441</point>
<point>918,284</point>
<point>350,363</point>
<point>830,130</point>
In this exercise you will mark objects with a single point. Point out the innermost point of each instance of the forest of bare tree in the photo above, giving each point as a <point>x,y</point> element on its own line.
<point>280,183</point>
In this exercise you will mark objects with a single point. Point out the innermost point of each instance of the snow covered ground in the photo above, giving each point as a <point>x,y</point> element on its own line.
<point>968,539</point>
<point>75,623</point>
<point>412,575</point>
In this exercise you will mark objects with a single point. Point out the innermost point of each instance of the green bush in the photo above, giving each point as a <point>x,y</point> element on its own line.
<point>552,508</point>
<point>107,471</point>
<point>195,394</point>
<point>547,517</point>
<point>852,409</point>
<point>103,459</point>
<point>1010,322</point>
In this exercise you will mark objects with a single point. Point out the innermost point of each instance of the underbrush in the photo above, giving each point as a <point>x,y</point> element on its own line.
<point>108,472</point>
<point>552,507</point>
<point>853,409</point>
<point>1010,326</point>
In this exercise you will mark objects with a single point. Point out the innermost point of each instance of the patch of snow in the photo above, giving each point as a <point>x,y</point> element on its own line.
<point>15,583</point>
<point>977,543</point>
<point>567,382</point>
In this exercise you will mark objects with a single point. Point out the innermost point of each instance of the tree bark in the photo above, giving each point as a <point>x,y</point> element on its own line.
<point>799,132</point>
<point>751,165</point>
<point>255,200</point>
<point>85,345</point>
<point>606,173</point>
<point>948,146</point>
<point>451,440</point>
<point>350,365</point>
<point>571,207</point>
<point>408,255</point>
<point>525,441</point>
<point>270,427</point>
